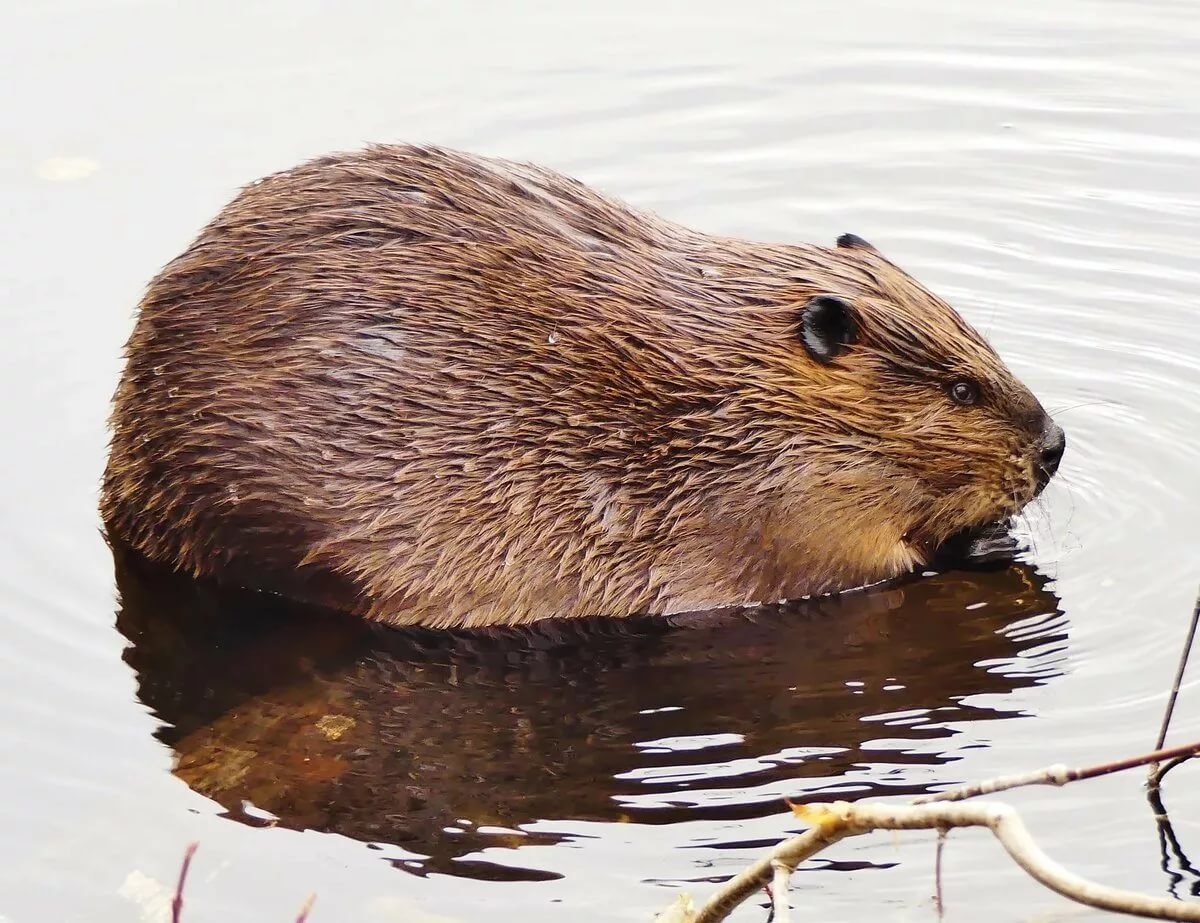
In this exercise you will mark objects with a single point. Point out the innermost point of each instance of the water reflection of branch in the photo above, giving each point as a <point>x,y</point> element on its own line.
<point>1168,843</point>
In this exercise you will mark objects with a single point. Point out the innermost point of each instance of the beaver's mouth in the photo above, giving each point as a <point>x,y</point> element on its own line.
<point>990,544</point>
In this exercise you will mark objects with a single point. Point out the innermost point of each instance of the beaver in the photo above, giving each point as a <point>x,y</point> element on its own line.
<point>440,389</point>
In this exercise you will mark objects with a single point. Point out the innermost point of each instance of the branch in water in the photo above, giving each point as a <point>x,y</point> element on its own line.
<point>1058,774</point>
<point>835,821</point>
<point>177,900</point>
<point>780,909</point>
<point>1156,774</point>
<point>304,911</point>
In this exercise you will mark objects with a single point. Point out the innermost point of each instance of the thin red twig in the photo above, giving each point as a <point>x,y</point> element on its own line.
<point>1060,774</point>
<point>177,901</point>
<point>938,901</point>
<point>1180,753</point>
<point>1183,661</point>
<point>306,908</point>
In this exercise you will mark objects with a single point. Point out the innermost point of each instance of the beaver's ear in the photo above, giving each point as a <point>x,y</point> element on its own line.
<point>827,328</point>
<point>854,242</point>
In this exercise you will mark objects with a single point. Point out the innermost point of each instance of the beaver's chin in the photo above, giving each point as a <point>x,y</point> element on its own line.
<point>990,544</point>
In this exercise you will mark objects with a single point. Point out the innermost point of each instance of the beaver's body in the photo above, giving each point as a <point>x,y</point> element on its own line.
<point>441,389</point>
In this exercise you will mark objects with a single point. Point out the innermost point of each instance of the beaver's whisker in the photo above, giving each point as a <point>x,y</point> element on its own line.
<point>1099,402</point>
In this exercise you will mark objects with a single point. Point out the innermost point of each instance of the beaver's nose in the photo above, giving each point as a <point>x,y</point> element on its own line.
<point>1054,443</point>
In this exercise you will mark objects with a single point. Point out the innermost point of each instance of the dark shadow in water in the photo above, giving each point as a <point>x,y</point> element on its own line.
<point>390,736</point>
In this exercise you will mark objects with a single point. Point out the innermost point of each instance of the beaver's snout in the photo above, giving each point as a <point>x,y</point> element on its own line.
<point>1053,444</point>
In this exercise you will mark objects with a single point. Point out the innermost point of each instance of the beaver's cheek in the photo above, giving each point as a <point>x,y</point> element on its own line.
<point>1018,481</point>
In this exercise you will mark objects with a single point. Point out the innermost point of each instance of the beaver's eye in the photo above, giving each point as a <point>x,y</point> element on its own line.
<point>964,391</point>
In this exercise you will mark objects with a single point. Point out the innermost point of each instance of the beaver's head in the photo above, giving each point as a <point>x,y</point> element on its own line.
<point>905,422</point>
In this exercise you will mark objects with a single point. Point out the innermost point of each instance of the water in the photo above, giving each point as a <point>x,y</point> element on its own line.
<point>1033,162</point>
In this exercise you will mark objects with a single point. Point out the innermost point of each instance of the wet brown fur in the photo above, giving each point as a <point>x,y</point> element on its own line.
<point>440,389</point>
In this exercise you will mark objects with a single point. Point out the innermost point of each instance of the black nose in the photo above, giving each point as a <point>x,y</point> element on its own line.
<point>1054,443</point>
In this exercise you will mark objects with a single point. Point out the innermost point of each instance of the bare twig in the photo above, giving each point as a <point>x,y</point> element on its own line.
<point>1167,767</point>
<point>1167,840</point>
<point>681,910</point>
<point>1059,774</point>
<point>177,900</point>
<point>938,903</point>
<point>835,821</point>
<point>1155,774</point>
<point>780,908</point>
<point>304,911</point>
<point>791,851</point>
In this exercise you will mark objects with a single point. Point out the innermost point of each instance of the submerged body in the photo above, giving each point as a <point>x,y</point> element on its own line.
<point>439,389</point>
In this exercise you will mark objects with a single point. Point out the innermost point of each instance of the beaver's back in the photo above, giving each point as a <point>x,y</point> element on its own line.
<point>391,378</point>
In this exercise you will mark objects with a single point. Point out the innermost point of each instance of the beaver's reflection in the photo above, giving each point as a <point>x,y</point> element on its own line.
<point>390,737</point>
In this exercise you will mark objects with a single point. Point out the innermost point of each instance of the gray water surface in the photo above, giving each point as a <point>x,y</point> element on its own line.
<point>1035,163</point>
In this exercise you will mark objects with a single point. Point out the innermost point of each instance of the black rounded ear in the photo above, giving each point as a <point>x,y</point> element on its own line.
<point>827,328</point>
<point>853,242</point>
